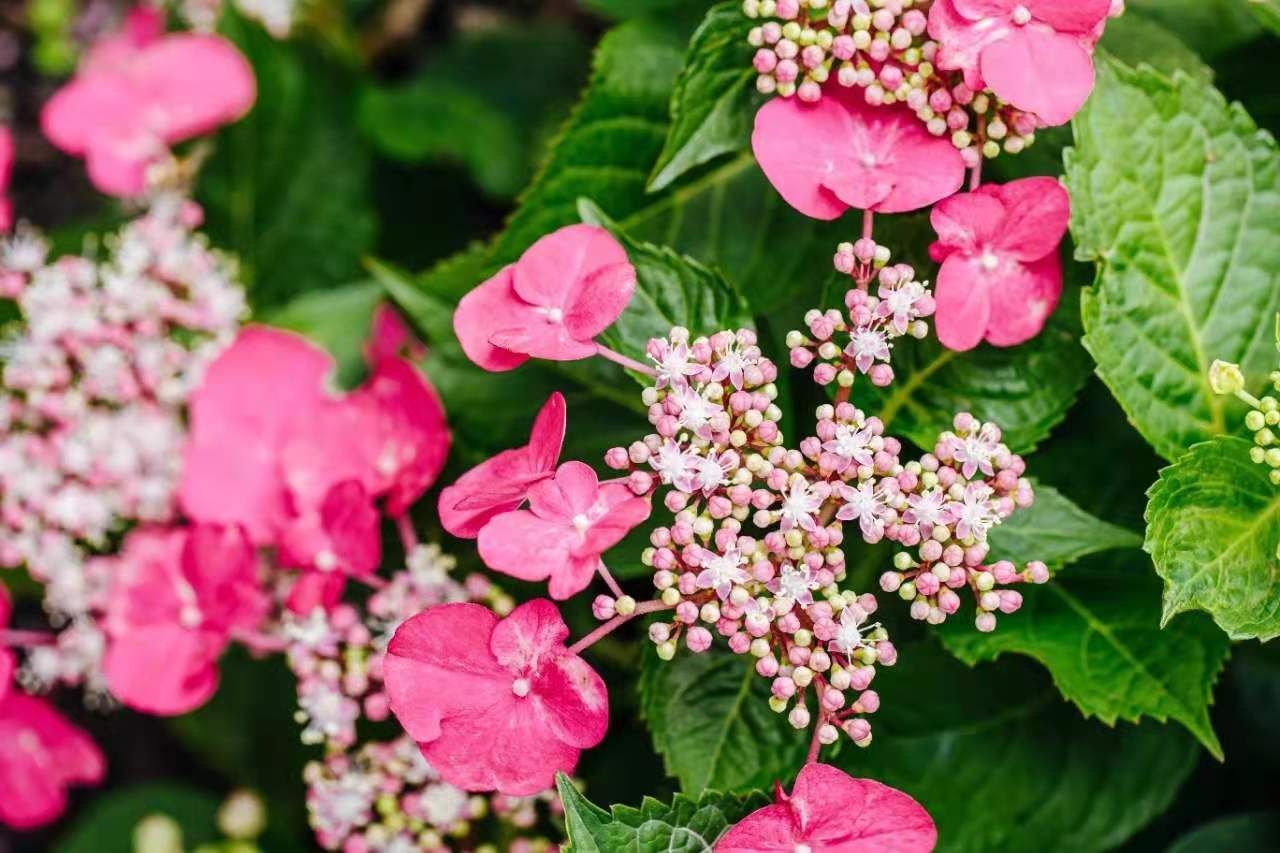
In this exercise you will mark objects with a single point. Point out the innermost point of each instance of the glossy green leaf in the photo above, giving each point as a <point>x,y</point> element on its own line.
<point>686,825</point>
<point>714,103</point>
<point>1056,531</point>
<point>288,186</point>
<point>1002,764</point>
<point>1211,27</point>
<point>711,722</point>
<point>1213,529</point>
<point>1245,833</point>
<point>1176,195</point>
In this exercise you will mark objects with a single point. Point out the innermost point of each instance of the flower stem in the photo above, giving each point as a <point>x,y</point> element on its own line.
<point>616,622</point>
<point>628,363</point>
<point>975,176</point>
<point>27,638</point>
<point>609,581</point>
<point>408,536</point>
<point>814,745</point>
<point>868,222</point>
<point>259,642</point>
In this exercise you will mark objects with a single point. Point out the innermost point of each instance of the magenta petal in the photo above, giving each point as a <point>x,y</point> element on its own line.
<point>965,222</point>
<point>574,701</point>
<point>615,525</point>
<point>524,546</point>
<point>390,336</point>
<point>531,635</point>
<point>603,297</point>
<point>313,590</point>
<point>1040,71</point>
<point>488,307</point>
<point>976,10</point>
<point>799,146</point>
<point>1070,16</point>
<point>546,438</point>
<point>539,337</point>
<point>1038,213</point>
<point>846,815</point>
<point>353,526</point>
<point>765,830</point>
<point>573,491</point>
<point>41,753</point>
<point>1022,303</point>
<point>162,669</point>
<point>551,271</point>
<point>963,303</point>
<point>190,84</point>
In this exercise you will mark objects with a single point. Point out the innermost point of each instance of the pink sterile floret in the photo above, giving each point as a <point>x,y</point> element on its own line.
<point>139,92</point>
<point>828,811</point>
<point>1001,275</point>
<point>567,288</point>
<point>41,755</point>
<point>495,704</point>
<point>6,173</point>
<point>1035,54</point>
<point>501,484</point>
<point>571,521</point>
<point>177,595</point>
<point>841,152</point>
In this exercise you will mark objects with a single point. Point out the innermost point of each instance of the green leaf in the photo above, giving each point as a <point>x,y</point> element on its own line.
<point>687,825</point>
<point>107,825</point>
<point>288,186</point>
<point>714,102</point>
<point>1243,833</point>
<point>711,722</point>
<point>1001,764</point>
<point>1056,531</point>
<point>1026,390</point>
<point>1213,529</point>
<point>671,290</point>
<point>1135,38</point>
<point>1096,629</point>
<point>339,320</point>
<point>1268,12</point>
<point>1212,27</point>
<point>1176,195</point>
<point>631,8</point>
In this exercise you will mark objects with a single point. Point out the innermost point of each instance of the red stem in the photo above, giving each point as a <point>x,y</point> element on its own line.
<point>616,622</point>
<point>619,358</point>
<point>609,581</point>
<point>814,745</point>
<point>408,536</point>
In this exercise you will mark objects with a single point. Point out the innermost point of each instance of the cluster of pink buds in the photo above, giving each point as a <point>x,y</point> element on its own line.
<point>94,388</point>
<point>884,48</point>
<point>945,504</point>
<point>385,797</point>
<point>868,330</point>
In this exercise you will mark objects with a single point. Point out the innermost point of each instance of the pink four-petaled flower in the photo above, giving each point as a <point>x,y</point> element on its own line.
<point>495,704</point>
<point>572,519</point>
<point>829,811</point>
<point>566,288</point>
<point>1001,276</point>
<point>41,755</point>
<point>140,91</point>
<point>1034,54</point>
<point>841,152</point>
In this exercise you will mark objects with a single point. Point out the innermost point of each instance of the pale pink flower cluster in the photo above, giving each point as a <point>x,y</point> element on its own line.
<point>94,388</point>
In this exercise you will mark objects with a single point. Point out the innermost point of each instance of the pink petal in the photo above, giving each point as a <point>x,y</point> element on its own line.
<point>501,484</point>
<point>573,576</point>
<point>573,491</point>
<point>1022,303</point>
<point>316,590</point>
<point>191,84</point>
<point>961,40</point>
<point>551,272</point>
<point>614,526</point>
<point>976,10</point>
<point>1070,16</point>
<point>488,307</point>
<point>1038,212</point>
<point>41,753</point>
<point>574,701</point>
<point>251,399</point>
<point>846,815</point>
<point>353,526</point>
<point>220,566</point>
<point>6,606</point>
<point>765,830</point>
<point>1040,71</point>
<point>531,636</point>
<point>84,110</point>
<point>390,336</point>
<point>524,546</point>
<point>600,301</point>
<point>163,669</point>
<point>963,303</point>
<point>439,663</point>
<point>799,146</point>
<point>330,448</point>
<point>540,337</point>
<point>966,222</point>
<point>6,174</point>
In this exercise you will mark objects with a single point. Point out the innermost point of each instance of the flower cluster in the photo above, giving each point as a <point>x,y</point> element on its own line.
<point>959,66</point>
<point>1263,417</point>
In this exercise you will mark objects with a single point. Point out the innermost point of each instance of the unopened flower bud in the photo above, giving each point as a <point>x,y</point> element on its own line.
<point>1225,377</point>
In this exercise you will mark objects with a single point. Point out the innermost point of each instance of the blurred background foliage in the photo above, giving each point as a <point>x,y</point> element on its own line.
<point>421,133</point>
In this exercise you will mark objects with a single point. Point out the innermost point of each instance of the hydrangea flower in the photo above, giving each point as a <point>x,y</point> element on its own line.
<point>841,152</point>
<point>566,288</point>
<point>495,704</point>
<point>41,755</point>
<point>139,92</point>
<point>6,174</point>
<point>177,596</point>
<point>501,484</point>
<point>829,811</point>
<point>1001,275</point>
<point>572,519</point>
<point>1034,54</point>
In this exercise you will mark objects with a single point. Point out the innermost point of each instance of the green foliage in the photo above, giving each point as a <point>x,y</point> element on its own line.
<point>1268,12</point>
<point>671,290</point>
<point>711,722</point>
<point>1245,833</point>
<point>1001,764</point>
<point>1176,195</point>
<point>107,825</point>
<point>687,825</point>
<point>288,186</point>
<point>714,102</point>
<point>1136,38</point>
<point>1213,528</point>
<point>1212,27</point>
<point>475,103</point>
<point>1056,531</point>
<point>1096,629</point>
